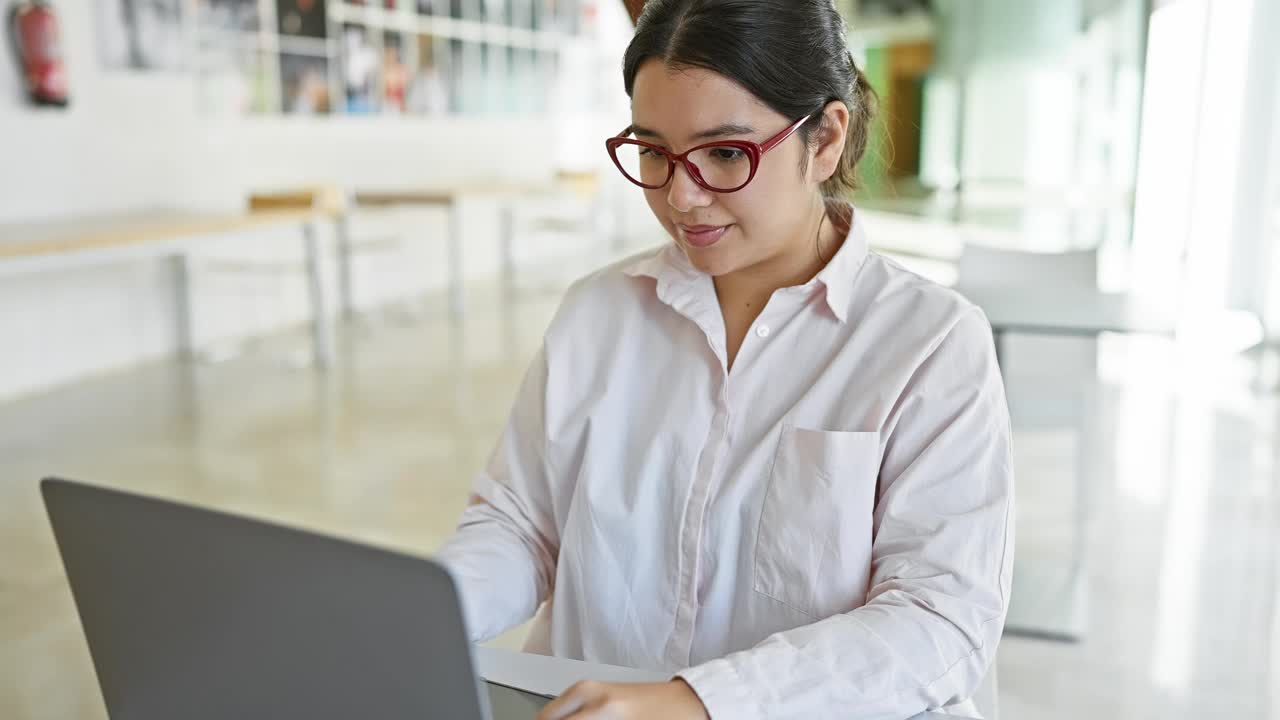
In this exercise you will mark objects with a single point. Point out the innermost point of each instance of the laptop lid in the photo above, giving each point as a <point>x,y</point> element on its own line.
<point>196,614</point>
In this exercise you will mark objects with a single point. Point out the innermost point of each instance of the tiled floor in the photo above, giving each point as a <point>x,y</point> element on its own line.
<point>1179,542</point>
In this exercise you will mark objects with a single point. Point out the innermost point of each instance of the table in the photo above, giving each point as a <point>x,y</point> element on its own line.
<point>1079,312</point>
<point>447,198</point>
<point>552,676</point>
<point>171,234</point>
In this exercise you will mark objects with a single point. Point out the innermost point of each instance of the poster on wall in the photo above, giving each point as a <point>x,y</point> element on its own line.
<point>228,15</point>
<point>304,84</point>
<point>427,92</point>
<point>234,76</point>
<point>237,83</point>
<point>304,18</point>
<point>395,74</point>
<point>141,34</point>
<point>359,70</point>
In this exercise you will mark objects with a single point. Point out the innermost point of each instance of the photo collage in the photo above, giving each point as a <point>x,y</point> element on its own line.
<point>366,57</point>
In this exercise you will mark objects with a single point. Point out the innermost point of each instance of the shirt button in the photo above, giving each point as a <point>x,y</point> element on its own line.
<point>763,331</point>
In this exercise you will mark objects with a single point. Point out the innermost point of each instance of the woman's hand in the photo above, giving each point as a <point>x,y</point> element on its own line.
<point>590,700</point>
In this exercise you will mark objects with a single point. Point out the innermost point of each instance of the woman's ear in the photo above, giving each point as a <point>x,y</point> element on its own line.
<point>832,133</point>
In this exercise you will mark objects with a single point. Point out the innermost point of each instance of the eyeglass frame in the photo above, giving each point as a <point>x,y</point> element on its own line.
<point>755,151</point>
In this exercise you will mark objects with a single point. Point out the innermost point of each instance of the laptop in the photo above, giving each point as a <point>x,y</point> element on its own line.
<point>196,614</point>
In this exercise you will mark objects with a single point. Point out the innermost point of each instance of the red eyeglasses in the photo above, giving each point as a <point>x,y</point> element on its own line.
<point>721,167</point>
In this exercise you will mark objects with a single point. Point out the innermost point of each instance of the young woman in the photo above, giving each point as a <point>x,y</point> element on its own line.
<point>761,458</point>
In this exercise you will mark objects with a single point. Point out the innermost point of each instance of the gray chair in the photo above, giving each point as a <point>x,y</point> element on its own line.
<point>997,268</point>
<point>1051,383</point>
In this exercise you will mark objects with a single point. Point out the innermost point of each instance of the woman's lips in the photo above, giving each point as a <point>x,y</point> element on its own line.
<point>702,236</point>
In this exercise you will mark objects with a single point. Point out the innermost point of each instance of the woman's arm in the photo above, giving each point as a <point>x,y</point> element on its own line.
<point>504,551</point>
<point>941,564</point>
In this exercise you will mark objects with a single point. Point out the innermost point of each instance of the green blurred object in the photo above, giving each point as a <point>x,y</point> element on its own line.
<point>874,170</point>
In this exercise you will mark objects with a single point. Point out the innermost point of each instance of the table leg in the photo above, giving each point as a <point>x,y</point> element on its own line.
<point>321,323</point>
<point>506,242</point>
<point>345,291</point>
<point>457,300</point>
<point>182,305</point>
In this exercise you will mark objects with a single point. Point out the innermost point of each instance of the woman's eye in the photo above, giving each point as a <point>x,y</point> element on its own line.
<point>728,154</point>
<point>648,152</point>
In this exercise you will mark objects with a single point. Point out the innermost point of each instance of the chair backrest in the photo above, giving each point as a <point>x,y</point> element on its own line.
<point>984,266</point>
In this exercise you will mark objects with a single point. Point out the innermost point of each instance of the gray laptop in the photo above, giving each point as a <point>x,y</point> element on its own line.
<point>200,615</point>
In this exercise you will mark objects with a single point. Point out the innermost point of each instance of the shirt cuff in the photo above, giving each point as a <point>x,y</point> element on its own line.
<point>722,691</point>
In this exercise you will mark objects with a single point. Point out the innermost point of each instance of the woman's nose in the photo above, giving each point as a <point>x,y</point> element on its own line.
<point>684,194</point>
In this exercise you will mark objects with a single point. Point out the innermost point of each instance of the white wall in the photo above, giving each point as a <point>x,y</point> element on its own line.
<point>134,141</point>
<point>1272,228</point>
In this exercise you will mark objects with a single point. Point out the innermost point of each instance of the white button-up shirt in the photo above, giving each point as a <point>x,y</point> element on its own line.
<point>823,531</point>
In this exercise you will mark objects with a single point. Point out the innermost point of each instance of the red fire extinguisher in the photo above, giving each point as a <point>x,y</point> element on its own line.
<point>33,32</point>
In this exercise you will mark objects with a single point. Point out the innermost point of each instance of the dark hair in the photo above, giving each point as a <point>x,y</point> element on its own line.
<point>791,54</point>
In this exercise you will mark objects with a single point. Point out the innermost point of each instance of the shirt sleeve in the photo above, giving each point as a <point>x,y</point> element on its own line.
<point>503,555</point>
<point>942,559</point>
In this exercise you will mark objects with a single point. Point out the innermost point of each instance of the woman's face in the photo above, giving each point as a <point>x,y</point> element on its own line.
<point>723,233</point>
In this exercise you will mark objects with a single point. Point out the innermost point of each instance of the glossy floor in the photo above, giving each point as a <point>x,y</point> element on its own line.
<point>1152,497</point>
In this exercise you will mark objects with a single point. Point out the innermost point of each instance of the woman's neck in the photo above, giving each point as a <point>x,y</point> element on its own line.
<point>744,294</point>
<point>816,244</point>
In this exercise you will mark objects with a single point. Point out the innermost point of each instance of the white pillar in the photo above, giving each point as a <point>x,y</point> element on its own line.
<point>1257,177</point>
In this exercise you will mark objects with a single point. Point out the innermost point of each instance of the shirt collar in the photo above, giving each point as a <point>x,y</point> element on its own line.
<point>672,269</point>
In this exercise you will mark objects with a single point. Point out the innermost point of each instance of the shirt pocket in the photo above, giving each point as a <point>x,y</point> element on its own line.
<point>813,546</point>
